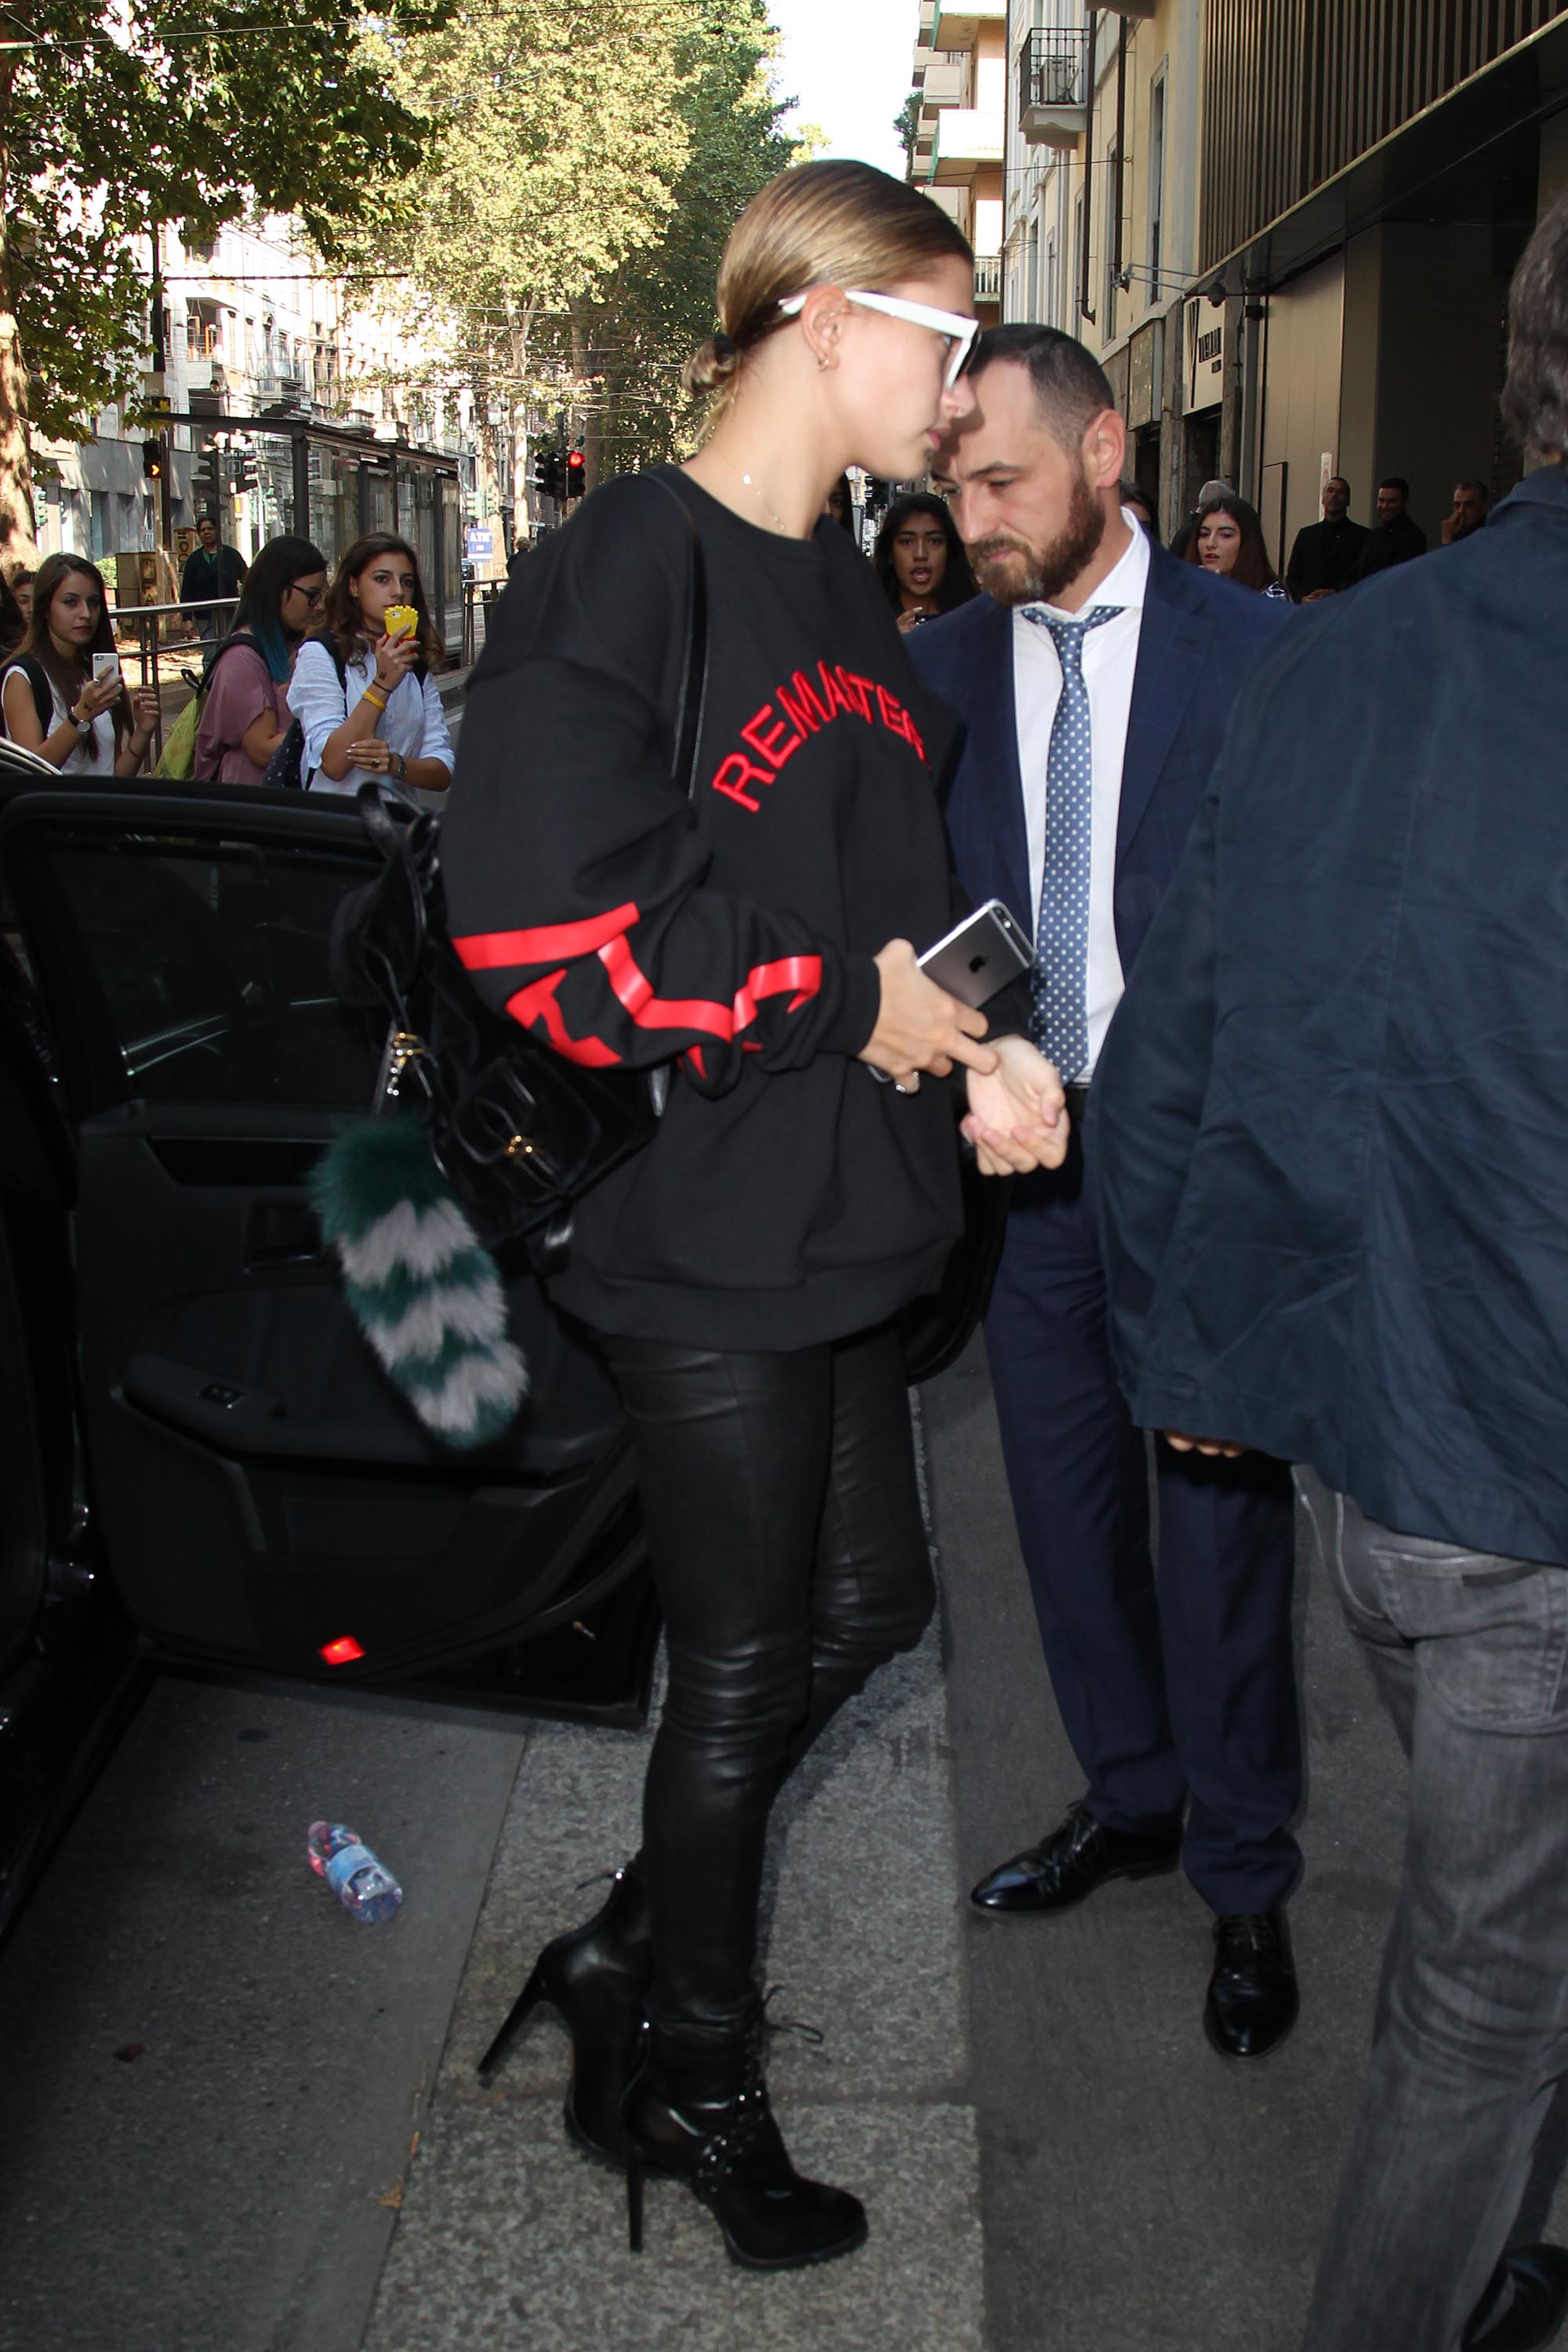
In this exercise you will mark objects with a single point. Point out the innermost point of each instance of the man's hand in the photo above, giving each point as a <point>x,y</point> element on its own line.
<point>1017,1113</point>
<point>1216,1448</point>
<point>920,1026</point>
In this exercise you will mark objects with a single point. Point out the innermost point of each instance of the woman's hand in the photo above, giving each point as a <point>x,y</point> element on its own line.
<point>920,1026</point>
<point>98,695</point>
<point>374,756</point>
<point>911,618</point>
<point>1017,1114</point>
<point>394,658</point>
<point>144,715</point>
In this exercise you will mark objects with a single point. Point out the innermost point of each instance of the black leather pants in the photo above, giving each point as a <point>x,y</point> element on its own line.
<point>791,1561</point>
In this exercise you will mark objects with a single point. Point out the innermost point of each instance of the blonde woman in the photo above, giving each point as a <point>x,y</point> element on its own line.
<point>742,1275</point>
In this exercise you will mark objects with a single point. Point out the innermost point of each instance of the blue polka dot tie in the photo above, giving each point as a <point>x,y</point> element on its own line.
<point>1061,932</point>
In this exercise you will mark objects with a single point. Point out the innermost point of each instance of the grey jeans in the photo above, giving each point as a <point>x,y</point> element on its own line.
<point>1471,1655</point>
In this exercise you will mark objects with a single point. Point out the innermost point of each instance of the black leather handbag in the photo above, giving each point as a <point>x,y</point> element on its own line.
<point>518,1132</point>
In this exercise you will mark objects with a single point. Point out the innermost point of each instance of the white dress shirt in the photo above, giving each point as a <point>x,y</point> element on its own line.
<point>1110,661</point>
<point>413,722</point>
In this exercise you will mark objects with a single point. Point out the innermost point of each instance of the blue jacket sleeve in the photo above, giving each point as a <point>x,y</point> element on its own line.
<point>1146,1103</point>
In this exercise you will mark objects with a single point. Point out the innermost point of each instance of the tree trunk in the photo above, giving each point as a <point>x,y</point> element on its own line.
<point>17,535</point>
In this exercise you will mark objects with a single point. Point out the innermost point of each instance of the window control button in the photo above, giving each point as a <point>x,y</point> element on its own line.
<point>219,1393</point>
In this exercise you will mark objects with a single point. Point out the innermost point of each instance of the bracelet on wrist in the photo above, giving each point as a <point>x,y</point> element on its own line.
<point>373,695</point>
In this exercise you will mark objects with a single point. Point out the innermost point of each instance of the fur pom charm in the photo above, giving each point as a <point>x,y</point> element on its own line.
<point>423,1289</point>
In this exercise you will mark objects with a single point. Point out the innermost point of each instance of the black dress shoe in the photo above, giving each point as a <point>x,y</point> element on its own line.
<point>1072,1862</point>
<point>1252,2001</point>
<point>1537,2307</point>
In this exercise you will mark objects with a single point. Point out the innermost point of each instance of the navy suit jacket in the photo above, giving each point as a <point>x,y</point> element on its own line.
<point>1198,639</point>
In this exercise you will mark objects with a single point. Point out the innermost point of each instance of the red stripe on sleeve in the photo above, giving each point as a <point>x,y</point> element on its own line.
<point>537,1002</point>
<point>650,1011</point>
<point>801,973</point>
<point>547,943</point>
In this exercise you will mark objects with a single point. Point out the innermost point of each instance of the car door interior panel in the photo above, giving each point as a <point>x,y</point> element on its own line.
<point>268,1497</point>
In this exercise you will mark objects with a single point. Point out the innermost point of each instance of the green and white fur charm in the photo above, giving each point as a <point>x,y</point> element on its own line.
<point>424,1289</point>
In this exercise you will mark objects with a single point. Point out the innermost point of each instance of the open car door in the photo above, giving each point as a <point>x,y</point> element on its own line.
<point>263,1497</point>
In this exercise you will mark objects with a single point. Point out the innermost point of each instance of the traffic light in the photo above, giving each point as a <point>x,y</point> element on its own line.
<point>243,474</point>
<point>542,472</point>
<point>153,460</point>
<point>207,478</point>
<point>576,473</point>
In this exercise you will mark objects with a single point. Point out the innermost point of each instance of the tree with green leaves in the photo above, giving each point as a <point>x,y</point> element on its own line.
<point>631,342</point>
<point>562,238</point>
<point>907,129</point>
<point>556,141</point>
<point>117,115</point>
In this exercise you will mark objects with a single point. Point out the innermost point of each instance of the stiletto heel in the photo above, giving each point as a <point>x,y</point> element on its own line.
<point>528,2001</point>
<point>596,1979</point>
<point>634,2200</point>
<point>699,2110</point>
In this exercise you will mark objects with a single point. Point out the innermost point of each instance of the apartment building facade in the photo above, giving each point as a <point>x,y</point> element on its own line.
<point>1371,171</point>
<point>1101,212</point>
<point>960,78</point>
<point>313,404</point>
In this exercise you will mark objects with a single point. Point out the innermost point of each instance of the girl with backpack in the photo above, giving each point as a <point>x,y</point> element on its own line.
<point>245,716</point>
<point>52,703</point>
<point>364,694</point>
<point>747,926</point>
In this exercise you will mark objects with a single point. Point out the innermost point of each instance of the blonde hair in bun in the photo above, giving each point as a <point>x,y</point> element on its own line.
<point>836,224</point>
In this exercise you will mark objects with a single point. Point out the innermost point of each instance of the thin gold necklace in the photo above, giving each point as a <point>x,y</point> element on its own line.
<point>778,521</point>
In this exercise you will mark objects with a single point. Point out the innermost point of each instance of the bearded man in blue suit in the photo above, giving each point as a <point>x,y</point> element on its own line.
<point>1094,679</point>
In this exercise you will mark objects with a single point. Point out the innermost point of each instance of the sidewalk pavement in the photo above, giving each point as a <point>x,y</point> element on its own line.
<point>231,2111</point>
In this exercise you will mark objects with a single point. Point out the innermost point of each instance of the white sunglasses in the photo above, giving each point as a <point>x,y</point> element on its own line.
<point>959,330</point>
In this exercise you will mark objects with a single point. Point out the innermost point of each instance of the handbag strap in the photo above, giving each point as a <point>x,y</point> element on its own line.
<point>694,680</point>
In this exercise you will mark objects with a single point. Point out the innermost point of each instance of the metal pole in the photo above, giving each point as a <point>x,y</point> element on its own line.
<point>1086,308</point>
<point>1120,181</point>
<point>160,381</point>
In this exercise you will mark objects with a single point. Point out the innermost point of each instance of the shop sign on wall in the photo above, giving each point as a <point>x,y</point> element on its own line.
<point>1208,351</point>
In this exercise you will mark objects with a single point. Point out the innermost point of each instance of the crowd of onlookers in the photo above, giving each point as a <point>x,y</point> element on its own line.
<point>312,684</point>
<point>62,694</point>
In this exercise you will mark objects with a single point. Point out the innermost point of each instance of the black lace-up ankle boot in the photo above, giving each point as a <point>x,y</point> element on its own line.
<point>698,2109</point>
<point>596,1979</point>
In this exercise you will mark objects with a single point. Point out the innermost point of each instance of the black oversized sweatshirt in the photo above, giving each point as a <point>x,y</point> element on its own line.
<point>787,1198</point>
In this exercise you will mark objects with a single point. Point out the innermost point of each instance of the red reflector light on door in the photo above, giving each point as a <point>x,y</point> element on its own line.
<point>342,1651</point>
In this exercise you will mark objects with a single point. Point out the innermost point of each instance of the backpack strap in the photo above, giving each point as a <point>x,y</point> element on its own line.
<point>694,680</point>
<point>326,637</point>
<point>37,677</point>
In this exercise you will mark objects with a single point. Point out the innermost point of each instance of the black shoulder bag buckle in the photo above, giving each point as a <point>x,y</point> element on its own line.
<point>518,1132</point>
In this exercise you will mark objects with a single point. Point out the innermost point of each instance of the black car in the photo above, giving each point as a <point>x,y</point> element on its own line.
<point>200,1461</point>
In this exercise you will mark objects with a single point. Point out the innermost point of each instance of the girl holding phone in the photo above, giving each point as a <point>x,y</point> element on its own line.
<point>362,690</point>
<point>54,704</point>
<point>744,1274</point>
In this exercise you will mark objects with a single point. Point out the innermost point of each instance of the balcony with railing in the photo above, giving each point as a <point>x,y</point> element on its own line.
<point>1053,89</point>
<point>987,280</point>
<point>943,84</point>
<point>958,26</point>
<point>966,140</point>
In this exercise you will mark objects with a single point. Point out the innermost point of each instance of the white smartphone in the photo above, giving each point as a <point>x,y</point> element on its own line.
<point>104,666</point>
<point>979,956</point>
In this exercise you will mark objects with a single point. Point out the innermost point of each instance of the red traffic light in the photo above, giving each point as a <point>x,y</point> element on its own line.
<point>576,473</point>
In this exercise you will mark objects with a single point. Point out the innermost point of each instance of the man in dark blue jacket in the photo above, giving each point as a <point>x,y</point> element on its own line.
<point>1093,681</point>
<point>1330,1132</point>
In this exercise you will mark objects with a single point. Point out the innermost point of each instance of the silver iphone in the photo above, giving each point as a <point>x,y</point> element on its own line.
<point>979,956</point>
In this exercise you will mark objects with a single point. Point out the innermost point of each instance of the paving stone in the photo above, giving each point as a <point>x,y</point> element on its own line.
<point>507,2242</point>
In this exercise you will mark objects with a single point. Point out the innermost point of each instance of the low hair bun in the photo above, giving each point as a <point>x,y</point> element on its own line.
<point>712,365</point>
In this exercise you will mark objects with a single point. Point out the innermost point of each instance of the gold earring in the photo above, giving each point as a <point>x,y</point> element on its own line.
<point>822,361</point>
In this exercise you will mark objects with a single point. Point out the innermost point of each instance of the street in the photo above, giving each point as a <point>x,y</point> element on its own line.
<point>239,2118</point>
